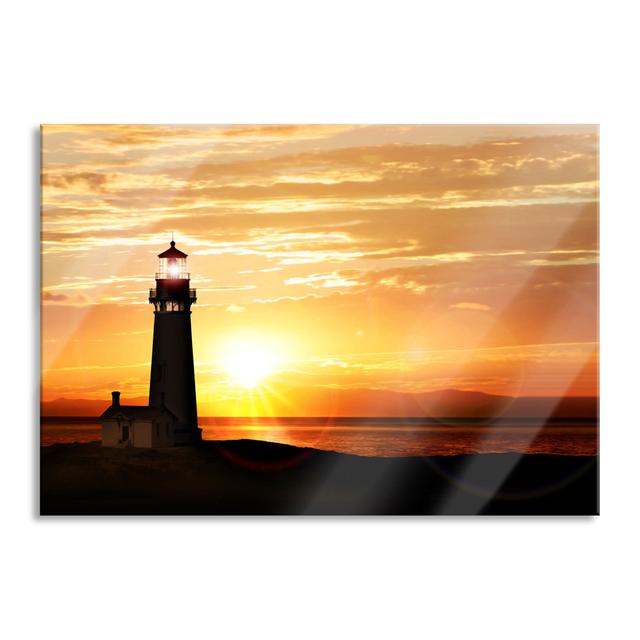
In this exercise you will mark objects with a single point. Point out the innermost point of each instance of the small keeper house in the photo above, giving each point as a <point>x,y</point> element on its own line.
<point>133,426</point>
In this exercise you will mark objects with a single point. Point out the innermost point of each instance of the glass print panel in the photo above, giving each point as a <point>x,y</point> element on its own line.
<point>319,319</point>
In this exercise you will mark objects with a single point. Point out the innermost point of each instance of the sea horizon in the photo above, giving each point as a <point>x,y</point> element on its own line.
<point>376,437</point>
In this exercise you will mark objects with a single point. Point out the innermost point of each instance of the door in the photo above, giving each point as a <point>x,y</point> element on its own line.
<point>125,431</point>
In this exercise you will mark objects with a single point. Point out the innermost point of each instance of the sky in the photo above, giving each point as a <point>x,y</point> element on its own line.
<point>333,258</point>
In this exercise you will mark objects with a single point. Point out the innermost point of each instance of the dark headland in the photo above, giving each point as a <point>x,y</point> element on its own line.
<point>261,478</point>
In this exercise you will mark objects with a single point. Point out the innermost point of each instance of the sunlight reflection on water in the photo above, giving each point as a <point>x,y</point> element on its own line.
<point>381,440</point>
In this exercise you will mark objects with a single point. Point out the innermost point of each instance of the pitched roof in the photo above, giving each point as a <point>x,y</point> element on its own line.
<point>137,413</point>
<point>172,252</point>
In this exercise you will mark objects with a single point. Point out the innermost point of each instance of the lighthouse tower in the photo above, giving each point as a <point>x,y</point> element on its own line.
<point>172,385</point>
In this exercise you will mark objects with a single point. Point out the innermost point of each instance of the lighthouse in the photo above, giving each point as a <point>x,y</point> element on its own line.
<point>171,417</point>
<point>172,385</point>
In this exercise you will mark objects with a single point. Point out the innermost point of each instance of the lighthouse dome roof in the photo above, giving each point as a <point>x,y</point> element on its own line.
<point>172,252</point>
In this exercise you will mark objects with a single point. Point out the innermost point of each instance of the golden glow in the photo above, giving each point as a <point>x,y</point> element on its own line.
<point>248,362</point>
<point>373,261</point>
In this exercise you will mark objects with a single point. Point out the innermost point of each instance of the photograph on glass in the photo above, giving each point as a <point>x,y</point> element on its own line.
<point>319,320</point>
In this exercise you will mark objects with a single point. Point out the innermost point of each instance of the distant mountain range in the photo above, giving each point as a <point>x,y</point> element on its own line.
<point>374,403</point>
<point>74,407</point>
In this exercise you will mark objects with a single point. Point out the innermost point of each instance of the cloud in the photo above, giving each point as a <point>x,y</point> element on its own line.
<point>78,182</point>
<point>53,297</point>
<point>60,299</point>
<point>289,206</point>
<point>323,280</point>
<point>227,288</point>
<point>287,131</point>
<point>589,257</point>
<point>474,306</point>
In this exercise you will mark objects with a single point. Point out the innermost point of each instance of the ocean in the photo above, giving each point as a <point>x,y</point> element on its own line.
<point>381,437</point>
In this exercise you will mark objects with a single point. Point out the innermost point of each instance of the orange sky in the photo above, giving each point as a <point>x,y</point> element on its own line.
<point>405,258</point>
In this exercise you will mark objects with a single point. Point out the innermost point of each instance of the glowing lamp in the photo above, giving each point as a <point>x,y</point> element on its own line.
<point>173,269</point>
<point>172,264</point>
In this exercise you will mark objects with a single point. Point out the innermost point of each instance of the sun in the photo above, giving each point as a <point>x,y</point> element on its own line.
<point>248,362</point>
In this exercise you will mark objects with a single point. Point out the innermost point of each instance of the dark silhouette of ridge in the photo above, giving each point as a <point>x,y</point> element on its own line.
<point>263,478</point>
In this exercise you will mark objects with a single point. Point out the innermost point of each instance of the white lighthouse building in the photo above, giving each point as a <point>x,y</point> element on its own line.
<point>171,417</point>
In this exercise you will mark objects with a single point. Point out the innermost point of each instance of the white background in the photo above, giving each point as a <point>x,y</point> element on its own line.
<point>247,62</point>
